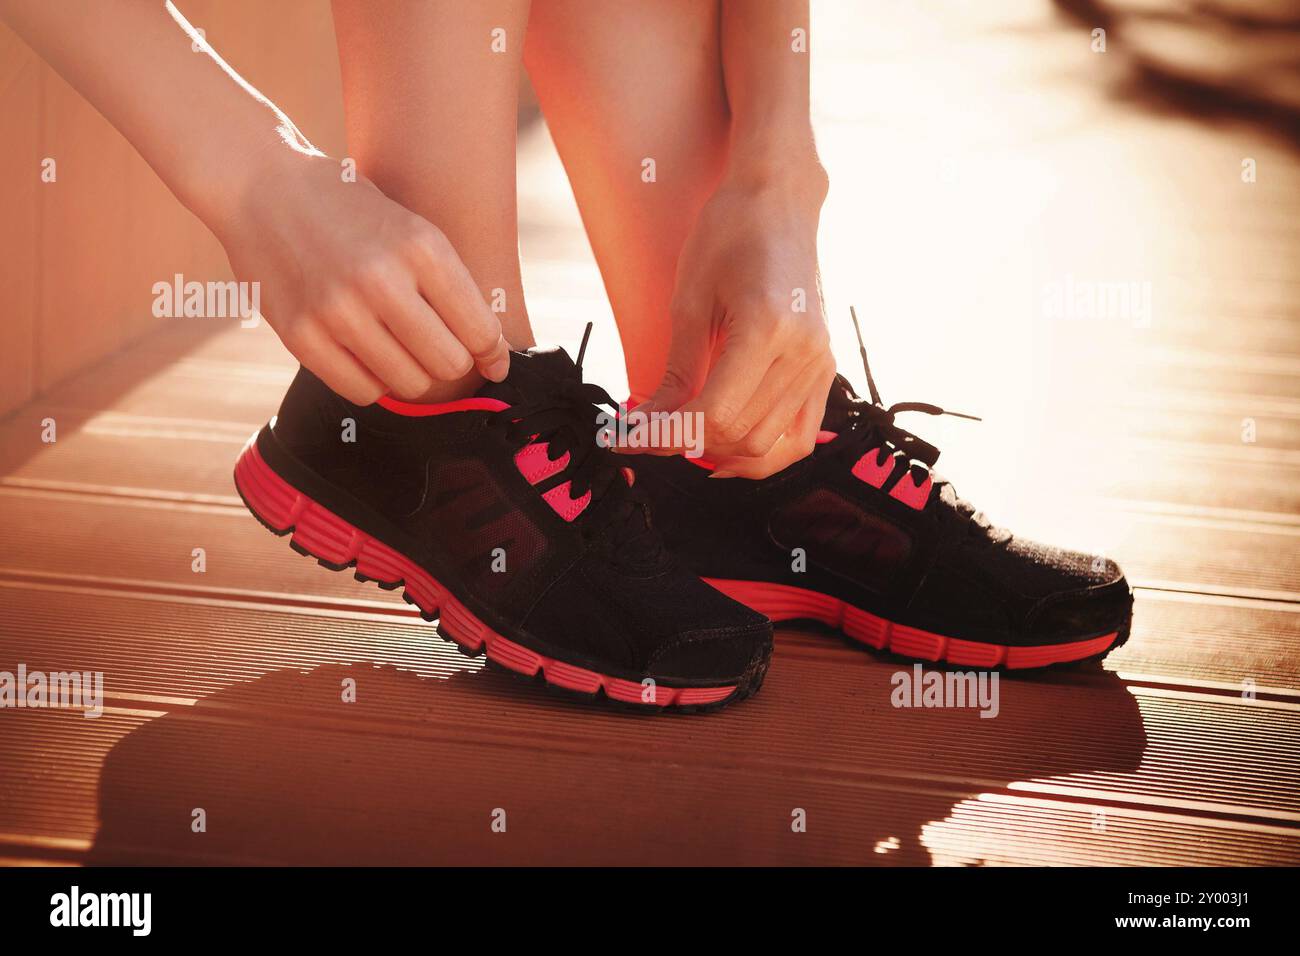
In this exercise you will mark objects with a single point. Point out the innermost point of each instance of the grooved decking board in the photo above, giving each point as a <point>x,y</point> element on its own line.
<point>827,714</point>
<point>53,760</point>
<point>1196,638</point>
<point>413,771</point>
<point>277,789</point>
<point>148,461</point>
<point>153,542</point>
<point>1191,476</point>
<point>181,457</point>
<point>1182,403</point>
<point>1274,426</point>
<point>190,387</point>
<point>49,538</point>
<point>1216,555</point>
<point>191,365</point>
<point>54,532</point>
<point>225,686</point>
<point>1198,378</point>
<point>1010,830</point>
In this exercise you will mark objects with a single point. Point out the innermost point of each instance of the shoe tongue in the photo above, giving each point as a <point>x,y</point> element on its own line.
<point>531,373</point>
<point>838,405</point>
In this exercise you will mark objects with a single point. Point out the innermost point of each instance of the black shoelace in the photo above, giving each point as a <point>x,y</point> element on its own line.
<point>873,421</point>
<point>563,414</point>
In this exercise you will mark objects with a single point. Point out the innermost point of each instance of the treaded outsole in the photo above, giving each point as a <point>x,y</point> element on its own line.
<point>786,604</point>
<point>335,544</point>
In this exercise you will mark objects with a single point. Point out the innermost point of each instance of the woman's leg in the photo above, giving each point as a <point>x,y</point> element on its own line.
<point>430,91</point>
<point>621,84</point>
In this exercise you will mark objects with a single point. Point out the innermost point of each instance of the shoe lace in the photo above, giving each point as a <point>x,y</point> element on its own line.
<point>872,422</point>
<point>563,414</point>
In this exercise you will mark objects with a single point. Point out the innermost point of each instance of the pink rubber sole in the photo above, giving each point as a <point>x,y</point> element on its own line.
<point>325,535</point>
<point>781,602</point>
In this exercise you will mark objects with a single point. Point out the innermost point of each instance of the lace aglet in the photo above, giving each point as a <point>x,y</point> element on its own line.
<point>862,350</point>
<point>582,349</point>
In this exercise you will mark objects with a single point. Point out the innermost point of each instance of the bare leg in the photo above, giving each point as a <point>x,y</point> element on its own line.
<point>622,83</point>
<point>431,97</point>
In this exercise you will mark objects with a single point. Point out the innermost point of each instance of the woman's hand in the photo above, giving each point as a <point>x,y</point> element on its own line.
<point>367,295</point>
<point>750,349</point>
<point>370,297</point>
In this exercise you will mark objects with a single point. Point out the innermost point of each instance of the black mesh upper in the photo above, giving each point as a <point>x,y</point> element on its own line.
<point>599,591</point>
<point>941,568</point>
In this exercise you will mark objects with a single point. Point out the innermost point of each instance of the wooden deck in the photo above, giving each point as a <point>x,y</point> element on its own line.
<point>980,163</point>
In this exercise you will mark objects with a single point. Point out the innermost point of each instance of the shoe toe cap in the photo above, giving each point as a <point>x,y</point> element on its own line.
<point>1027,593</point>
<point>715,654</point>
<point>1075,612</point>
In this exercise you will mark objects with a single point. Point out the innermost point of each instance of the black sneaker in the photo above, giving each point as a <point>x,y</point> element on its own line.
<point>502,517</point>
<point>862,536</point>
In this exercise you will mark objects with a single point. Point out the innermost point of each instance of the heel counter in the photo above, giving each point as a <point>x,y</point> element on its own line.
<point>304,412</point>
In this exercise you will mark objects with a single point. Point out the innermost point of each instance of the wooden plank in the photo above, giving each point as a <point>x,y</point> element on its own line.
<point>286,791</point>
<point>50,534</point>
<point>278,762</point>
<point>177,461</point>
<point>1092,735</point>
<point>1217,554</point>
<point>224,688</point>
<point>1194,639</point>
<point>152,543</point>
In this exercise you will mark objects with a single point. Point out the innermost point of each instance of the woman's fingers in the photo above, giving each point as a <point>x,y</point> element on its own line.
<point>428,311</point>
<point>334,365</point>
<point>451,291</point>
<point>354,326</point>
<point>345,264</point>
<point>805,395</point>
<point>770,411</point>
<point>795,444</point>
<point>747,401</point>
<point>422,332</point>
<point>751,399</point>
<point>731,384</point>
<point>685,373</point>
<point>788,406</point>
